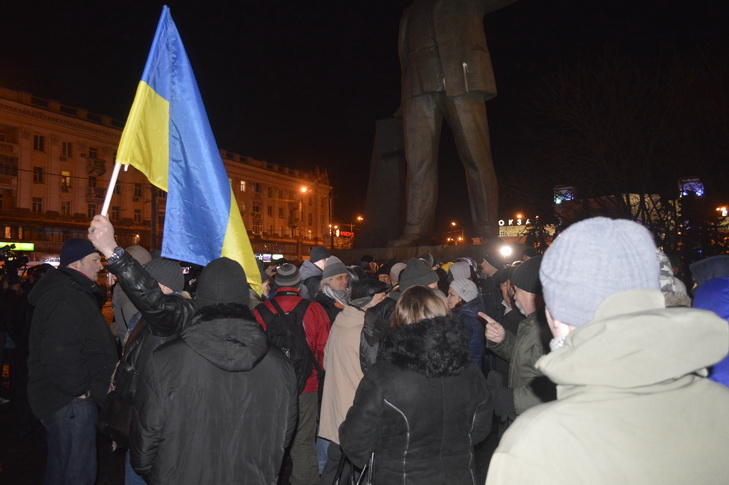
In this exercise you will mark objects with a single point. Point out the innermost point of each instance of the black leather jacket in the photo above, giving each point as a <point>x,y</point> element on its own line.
<point>165,315</point>
<point>377,322</point>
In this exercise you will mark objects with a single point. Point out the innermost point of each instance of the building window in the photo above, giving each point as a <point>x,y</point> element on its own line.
<point>115,213</point>
<point>37,205</point>
<point>161,219</point>
<point>92,211</point>
<point>257,226</point>
<point>257,187</point>
<point>117,188</point>
<point>269,210</point>
<point>270,192</point>
<point>137,216</point>
<point>137,191</point>
<point>66,150</point>
<point>280,213</point>
<point>37,175</point>
<point>310,219</point>
<point>39,143</point>
<point>242,185</point>
<point>93,152</point>
<point>256,206</point>
<point>280,194</point>
<point>2,201</point>
<point>92,181</point>
<point>65,181</point>
<point>8,232</point>
<point>66,208</point>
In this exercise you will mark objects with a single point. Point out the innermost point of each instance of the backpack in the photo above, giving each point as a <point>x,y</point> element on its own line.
<point>286,332</point>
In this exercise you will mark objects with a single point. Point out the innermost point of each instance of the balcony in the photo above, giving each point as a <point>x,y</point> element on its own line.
<point>8,147</point>
<point>8,181</point>
<point>95,166</point>
<point>95,195</point>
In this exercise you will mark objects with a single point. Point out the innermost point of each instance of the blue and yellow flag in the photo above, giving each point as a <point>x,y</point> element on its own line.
<point>168,138</point>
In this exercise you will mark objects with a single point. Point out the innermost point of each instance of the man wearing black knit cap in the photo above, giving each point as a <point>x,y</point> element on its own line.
<point>527,387</point>
<point>72,357</point>
<point>218,404</point>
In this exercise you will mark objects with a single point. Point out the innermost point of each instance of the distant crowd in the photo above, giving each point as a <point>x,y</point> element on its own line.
<point>590,363</point>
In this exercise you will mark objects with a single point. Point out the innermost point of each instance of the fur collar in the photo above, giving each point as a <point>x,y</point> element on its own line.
<point>434,347</point>
<point>222,311</point>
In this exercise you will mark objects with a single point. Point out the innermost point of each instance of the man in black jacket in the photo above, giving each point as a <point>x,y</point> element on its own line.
<point>72,356</point>
<point>216,405</point>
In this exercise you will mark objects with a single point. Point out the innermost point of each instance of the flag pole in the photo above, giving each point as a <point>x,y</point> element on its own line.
<point>110,190</point>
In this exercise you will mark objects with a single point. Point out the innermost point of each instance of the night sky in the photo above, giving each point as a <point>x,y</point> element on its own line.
<point>302,83</point>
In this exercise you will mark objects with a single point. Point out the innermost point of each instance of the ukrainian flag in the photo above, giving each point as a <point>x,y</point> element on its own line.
<point>168,138</point>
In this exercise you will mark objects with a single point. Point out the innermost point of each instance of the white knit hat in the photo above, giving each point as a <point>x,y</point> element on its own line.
<point>592,260</point>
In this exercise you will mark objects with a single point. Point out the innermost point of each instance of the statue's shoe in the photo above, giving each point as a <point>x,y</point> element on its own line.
<point>408,240</point>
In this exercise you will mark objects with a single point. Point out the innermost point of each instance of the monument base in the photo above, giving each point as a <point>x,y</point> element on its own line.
<point>440,253</point>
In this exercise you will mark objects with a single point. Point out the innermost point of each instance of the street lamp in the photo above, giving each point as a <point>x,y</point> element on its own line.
<point>455,232</point>
<point>300,242</point>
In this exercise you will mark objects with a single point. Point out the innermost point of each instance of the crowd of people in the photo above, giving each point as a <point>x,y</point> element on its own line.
<point>591,363</point>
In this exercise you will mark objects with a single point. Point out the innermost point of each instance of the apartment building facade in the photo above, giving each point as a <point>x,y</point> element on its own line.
<point>56,163</point>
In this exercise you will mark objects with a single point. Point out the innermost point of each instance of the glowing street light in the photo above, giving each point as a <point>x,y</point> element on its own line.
<point>506,251</point>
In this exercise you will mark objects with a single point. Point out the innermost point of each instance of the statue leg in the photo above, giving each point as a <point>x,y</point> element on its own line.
<point>466,115</point>
<point>422,121</point>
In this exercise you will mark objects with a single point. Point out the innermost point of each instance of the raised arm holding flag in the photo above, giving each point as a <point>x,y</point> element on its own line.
<point>168,138</point>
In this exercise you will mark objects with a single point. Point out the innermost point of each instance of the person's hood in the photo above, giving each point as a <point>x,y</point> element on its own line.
<point>707,269</point>
<point>714,296</point>
<point>309,269</point>
<point>470,308</point>
<point>435,347</point>
<point>634,342</point>
<point>228,336</point>
<point>61,278</point>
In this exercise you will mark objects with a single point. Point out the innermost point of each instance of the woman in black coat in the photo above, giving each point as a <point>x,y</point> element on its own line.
<point>424,405</point>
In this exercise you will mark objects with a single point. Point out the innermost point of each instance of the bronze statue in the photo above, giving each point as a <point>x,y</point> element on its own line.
<point>447,73</point>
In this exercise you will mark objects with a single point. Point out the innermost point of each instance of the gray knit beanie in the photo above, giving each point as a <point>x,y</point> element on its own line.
<point>592,260</point>
<point>466,289</point>
<point>460,270</point>
<point>333,267</point>
<point>287,275</point>
<point>416,273</point>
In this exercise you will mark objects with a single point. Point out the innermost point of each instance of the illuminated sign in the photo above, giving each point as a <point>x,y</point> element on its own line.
<point>514,222</point>
<point>19,246</point>
<point>268,257</point>
<point>346,234</point>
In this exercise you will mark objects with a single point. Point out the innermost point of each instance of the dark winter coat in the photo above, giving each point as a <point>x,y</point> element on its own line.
<point>421,408</point>
<point>311,275</point>
<point>474,329</point>
<point>377,322</point>
<point>163,316</point>
<point>331,306</point>
<point>72,350</point>
<point>215,406</point>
